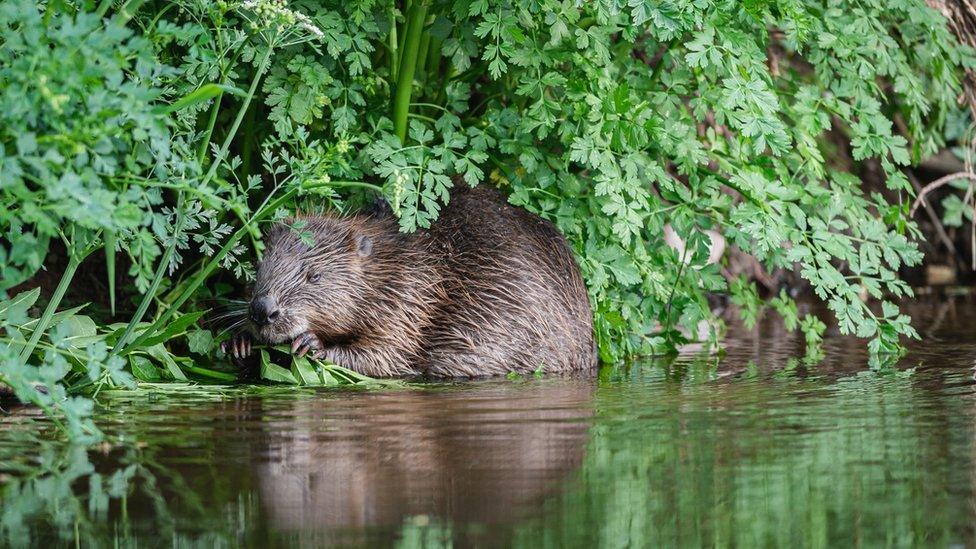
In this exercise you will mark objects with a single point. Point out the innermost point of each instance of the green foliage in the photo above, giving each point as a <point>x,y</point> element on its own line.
<point>305,371</point>
<point>76,118</point>
<point>170,134</point>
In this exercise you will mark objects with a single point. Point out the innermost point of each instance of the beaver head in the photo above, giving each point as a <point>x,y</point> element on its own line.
<point>311,278</point>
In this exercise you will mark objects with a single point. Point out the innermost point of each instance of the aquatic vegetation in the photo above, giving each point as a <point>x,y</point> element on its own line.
<point>161,137</point>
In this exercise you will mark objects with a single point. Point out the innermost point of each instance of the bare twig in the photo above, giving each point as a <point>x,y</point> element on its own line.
<point>935,185</point>
<point>933,217</point>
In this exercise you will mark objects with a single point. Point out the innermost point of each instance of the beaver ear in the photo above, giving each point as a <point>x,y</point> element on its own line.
<point>364,245</point>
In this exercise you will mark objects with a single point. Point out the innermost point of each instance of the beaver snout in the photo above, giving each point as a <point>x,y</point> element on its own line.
<point>263,310</point>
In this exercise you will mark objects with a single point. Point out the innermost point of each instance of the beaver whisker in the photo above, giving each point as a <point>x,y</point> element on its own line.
<point>237,303</point>
<point>225,326</point>
<point>242,311</point>
<point>232,326</point>
<point>221,319</point>
<point>236,324</point>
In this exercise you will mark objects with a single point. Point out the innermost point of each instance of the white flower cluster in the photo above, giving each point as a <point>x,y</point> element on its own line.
<point>275,14</point>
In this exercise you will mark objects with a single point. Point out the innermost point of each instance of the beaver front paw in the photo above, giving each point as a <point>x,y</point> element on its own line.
<point>308,343</point>
<point>238,347</point>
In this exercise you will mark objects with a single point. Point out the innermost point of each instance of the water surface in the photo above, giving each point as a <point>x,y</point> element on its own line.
<point>754,447</point>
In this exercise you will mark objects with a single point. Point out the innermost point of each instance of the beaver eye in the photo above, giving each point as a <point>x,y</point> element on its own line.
<point>314,277</point>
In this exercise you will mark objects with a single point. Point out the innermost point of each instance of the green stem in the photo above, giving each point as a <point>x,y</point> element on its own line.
<point>151,294</point>
<point>394,44</point>
<point>356,184</point>
<point>154,287</point>
<point>262,66</point>
<point>403,32</point>
<point>205,272</point>
<point>250,139</point>
<point>126,12</point>
<point>52,306</point>
<point>416,18</point>
<point>267,209</point>
<point>434,61</point>
<point>212,374</point>
<point>422,53</point>
<point>432,106</point>
<point>75,257</point>
<point>210,127</point>
<point>422,117</point>
<point>103,8</point>
<point>660,63</point>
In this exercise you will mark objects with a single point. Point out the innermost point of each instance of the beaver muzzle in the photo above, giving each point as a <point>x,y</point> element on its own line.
<point>263,311</point>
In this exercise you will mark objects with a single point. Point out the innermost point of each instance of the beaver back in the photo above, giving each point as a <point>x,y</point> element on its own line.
<point>515,297</point>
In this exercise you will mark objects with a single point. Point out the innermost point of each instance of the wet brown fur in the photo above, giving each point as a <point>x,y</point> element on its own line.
<point>488,290</point>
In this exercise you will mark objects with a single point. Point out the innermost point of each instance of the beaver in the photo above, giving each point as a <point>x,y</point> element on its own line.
<point>488,289</point>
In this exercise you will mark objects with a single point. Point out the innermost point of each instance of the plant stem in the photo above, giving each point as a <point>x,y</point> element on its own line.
<point>151,294</point>
<point>249,140</point>
<point>212,374</point>
<point>422,117</point>
<point>205,141</point>
<point>262,66</point>
<point>157,279</point>
<point>205,272</point>
<point>74,259</point>
<point>394,51</point>
<point>356,184</point>
<point>126,12</point>
<point>660,63</point>
<point>434,66</point>
<point>416,18</point>
<point>103,8</point>
<point>422,53</point>
<point>109,238</point>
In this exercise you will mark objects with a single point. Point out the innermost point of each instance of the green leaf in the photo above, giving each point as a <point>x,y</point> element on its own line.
<point>302,370</point>
<point>75,332</point>
<point>200,341</point>
<point>160,353</point>
<point>326,378</point>
<point>274,373</point>
<point>174,329</point>
<point>14,312</point>
<point>143,369</point>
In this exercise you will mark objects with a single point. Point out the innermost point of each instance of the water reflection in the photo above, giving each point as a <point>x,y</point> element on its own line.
<point>375,460</point>
<point>753,447</point>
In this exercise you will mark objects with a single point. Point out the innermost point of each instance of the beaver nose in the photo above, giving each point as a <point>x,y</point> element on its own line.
<point>264,310</point>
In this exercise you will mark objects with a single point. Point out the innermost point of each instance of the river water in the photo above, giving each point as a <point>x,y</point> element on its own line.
<point>753,447</point>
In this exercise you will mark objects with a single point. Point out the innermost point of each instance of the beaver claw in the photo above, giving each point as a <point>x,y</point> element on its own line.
<point>308,343</point>
<point>238,346</point>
